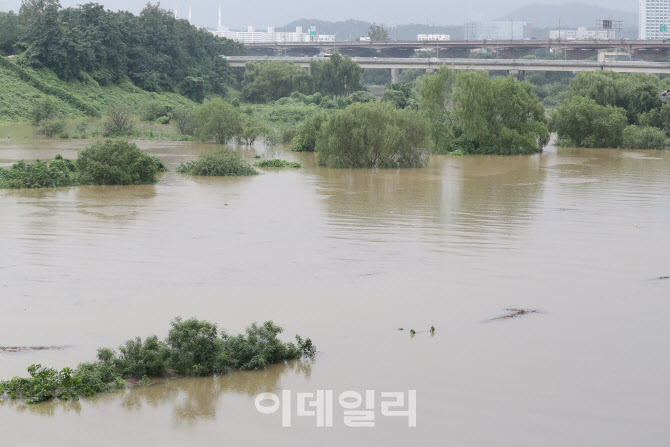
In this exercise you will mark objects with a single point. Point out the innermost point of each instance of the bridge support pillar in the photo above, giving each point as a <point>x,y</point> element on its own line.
<point>395,75</point>
<point>429,70</point>
<point>518,74</point>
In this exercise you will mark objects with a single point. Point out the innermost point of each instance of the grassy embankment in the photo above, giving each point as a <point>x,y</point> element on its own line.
<point>22,86</point>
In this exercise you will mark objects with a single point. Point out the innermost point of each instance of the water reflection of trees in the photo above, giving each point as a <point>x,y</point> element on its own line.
<point>466,197</point>
<point>196,398</point>
<point>49,408</point>
<point>192,399</point>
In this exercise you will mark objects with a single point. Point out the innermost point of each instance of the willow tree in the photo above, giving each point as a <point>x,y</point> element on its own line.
<point>436,104</point>
<point>583,122</point>
<point>372,135</point>
<point>636,93</point>
<point>337,76</point>
<point>499,114</point>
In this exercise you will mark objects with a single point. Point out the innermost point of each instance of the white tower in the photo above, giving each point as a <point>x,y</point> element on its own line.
<point>219,29</point>
<point>189,16</point>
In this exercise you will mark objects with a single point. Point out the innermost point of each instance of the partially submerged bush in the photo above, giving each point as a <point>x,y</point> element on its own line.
<point>119,122</point>
<point>152,110</point>
<point>51,128</point>
<point>56,173</point>
<point>307,131</point>
<point>277,163</point>
<point>218,120</point>
<point>372,135</point>
<point>582,122</point>
<point>43,109</point>
<point>217,164</point>
<point>193,347</point>
<point>47,383</point>
<point>185,120</point>
<point>117,163</point>
<point>643,137</point>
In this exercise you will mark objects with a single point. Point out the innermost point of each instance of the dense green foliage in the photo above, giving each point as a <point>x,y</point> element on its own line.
<point>54,174</point>
<point>117,163</point>
<point>472,112</point>
<point>218,164</point>
<point>102,163</point>
<point>635,93</point>
<point>307,132</point>
<point>643,137</point>
<point>47,383</point>
<point>401,96</point>
<point>499,114</point>
<point>277,163</point>
<point>337,76</point>
<point>550,86</point>
<point>218,120</point>
<point>372,135</point>
<point>582,122</point>
<point>600,105</point>
<point>192,348</point>
<point>269,81</point>
<point>154,50</point>
<point>10,31</point>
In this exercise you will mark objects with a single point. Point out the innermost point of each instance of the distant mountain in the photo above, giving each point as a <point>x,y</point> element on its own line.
<point>571,14</point>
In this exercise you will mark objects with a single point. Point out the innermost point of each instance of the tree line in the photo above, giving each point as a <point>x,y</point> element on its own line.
<point>607,109</point>
<point>154,50</point>
<point>337,76</point>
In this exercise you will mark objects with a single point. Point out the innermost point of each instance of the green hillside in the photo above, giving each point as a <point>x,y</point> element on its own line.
<point>21,86</point>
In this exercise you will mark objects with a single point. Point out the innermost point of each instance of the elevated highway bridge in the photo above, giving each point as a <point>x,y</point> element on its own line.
<point>510,65</point>
<point>652,49</point>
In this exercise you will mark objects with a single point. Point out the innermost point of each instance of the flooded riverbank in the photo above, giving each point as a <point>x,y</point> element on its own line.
<point>347,257</point>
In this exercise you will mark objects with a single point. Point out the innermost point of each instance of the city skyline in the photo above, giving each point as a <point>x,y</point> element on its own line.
<point>239,16</point>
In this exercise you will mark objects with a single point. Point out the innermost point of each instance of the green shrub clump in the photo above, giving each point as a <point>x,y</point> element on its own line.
<point>152,110</point>
<point>51,128</point>
<point>219,163</point>
<point>192,348</point>
<point>306,133</point>
<point>117,163</point>
<point>582,122</point>
<point>277,163</point>
<point>372,135</point>
<point>643,137</point>
<point>54,174</point>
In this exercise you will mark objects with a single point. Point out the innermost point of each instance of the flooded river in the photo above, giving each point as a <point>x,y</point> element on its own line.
<point>347,257</point>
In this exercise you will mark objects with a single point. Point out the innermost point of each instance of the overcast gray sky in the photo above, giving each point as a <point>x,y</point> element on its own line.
<point>279,12</point>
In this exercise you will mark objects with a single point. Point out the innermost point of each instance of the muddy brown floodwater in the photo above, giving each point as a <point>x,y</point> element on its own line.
<point>346,257</point>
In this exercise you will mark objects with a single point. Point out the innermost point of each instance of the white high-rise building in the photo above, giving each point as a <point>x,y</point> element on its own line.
<point>654,19</point>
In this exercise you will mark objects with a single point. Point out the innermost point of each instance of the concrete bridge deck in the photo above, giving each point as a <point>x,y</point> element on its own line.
<point>519,65</point>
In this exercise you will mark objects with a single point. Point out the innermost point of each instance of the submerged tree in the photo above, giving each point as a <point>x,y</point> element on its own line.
<point>582,122</point>
<point>372,135</point>
<point>218,120</point>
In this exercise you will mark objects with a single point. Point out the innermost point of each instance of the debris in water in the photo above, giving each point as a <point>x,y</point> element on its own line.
<point>513,313</point>
<point>30,348</point>
<point>664,277</point>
